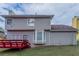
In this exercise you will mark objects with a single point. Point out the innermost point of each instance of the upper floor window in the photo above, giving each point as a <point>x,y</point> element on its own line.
<point>9,21</point>
<point>30,22</point>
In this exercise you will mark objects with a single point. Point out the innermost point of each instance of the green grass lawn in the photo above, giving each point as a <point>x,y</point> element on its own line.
<point>44,51</point>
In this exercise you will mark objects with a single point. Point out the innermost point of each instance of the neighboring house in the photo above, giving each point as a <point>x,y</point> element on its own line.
<point>75,24</point>
<point>38,30</point>
<point>2,34</point>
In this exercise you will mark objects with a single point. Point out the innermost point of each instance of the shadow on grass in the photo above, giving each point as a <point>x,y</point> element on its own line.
<point>12,50</point>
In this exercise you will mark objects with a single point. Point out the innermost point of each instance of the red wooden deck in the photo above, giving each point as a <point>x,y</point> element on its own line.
<point>14,44</point>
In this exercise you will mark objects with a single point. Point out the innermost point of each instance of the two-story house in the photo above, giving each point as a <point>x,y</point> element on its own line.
<point>38,30</point>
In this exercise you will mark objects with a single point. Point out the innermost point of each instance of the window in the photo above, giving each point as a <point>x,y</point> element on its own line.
<point>25,37</point>
<point>39,35</point>
<point>30,22</point>
<point>9,21</point>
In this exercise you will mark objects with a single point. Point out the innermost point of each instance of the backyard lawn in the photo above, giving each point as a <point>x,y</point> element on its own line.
<point>44,51</point>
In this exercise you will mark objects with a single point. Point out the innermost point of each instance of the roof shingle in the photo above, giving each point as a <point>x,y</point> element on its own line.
<point>27,16</point>
<point>62,28</point>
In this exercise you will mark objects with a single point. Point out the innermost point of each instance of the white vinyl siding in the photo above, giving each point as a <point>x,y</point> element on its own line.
<point>20,35</point>
<point>28,35</point>
<point>20,24</point>
<point>62,38</point>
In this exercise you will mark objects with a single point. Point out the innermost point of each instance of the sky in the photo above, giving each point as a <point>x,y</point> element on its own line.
<point>63,12</point>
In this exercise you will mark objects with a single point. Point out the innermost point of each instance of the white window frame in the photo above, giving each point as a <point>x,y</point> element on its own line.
<point>29,23</point>
<point>9,21</point>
